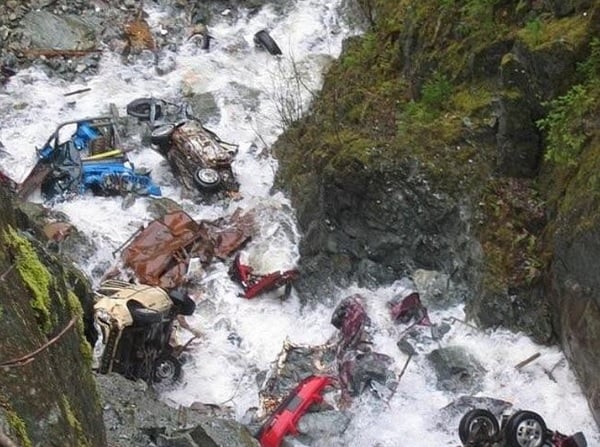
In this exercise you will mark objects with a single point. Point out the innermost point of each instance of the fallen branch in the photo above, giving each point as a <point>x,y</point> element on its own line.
<point>75,92</point>
<point>28,358</point>
<point>49,52</point>
<point>527,360</point>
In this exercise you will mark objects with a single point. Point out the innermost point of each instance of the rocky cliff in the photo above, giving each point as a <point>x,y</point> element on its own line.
<point>47,393</point>
<point>461,137</point>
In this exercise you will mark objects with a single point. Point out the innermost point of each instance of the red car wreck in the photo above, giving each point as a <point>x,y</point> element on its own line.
<point>256,284</point>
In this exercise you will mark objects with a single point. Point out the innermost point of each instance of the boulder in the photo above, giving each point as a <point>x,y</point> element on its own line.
<point>48,31</point>
<point>456,369</point>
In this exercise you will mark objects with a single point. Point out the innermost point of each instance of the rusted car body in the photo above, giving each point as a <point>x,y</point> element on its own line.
<point>160,253</point>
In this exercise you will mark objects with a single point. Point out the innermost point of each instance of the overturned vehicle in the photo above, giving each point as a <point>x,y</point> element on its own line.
<point>479,427</point>
<point>199,158</point>
<point>135,324</point>
<point>89,159</point>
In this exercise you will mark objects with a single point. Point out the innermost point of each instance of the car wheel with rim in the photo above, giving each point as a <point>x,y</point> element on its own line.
<point>526,429</point>
<point>207,179</point>
<point>145,109</point>
<point>478,424</point>
<point>167,369</point>
<point>161,135</point>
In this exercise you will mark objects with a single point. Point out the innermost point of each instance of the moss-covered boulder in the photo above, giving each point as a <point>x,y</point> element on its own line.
<point>47,392</point>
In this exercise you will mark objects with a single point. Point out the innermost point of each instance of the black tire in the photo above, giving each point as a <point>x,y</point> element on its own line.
<point>526,429</point>
<point>184,305</point>
<point>145,109</point>
<point>167,369</point>
<point>161,135</point>
<point>142,316</point>
<point>264,40</point>
<point>478,424</point>
<point>207,179</point>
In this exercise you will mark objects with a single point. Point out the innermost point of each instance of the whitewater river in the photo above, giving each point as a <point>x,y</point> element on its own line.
<point>245,82</point>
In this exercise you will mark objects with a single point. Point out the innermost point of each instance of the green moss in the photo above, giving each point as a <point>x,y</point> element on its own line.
<point>75,308</point>
<point>19,427</point>
<point>34,275</point>
<point>469,100</point>
<point>74,423</point>
<point>572,30</point>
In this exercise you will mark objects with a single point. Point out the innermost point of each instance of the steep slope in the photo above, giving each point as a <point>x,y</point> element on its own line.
<point>436,144</point>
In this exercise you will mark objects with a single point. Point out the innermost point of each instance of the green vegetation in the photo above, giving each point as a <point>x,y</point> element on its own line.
<point>74,423</point>
<point>19,427</point>
<point>566,121</point>
<point>75,309</point>
<point>34,275</point>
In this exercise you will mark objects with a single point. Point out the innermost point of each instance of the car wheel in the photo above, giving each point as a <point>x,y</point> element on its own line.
<point>145,109</point>
<point>142,316</point>
<point>478,424</point>
<point>526,429</point>
<point>161,135</point>
<point>167,369</point>
<point>207,178</point>
<point>263,39</point>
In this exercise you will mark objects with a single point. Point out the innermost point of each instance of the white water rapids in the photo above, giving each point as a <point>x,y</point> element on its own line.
<point>243,80</point>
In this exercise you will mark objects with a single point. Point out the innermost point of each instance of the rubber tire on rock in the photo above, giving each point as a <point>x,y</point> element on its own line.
<point>161,135</point>
<point>524,427</point>
<point>477,417</point>
<point>264,40</point>
<point>207,179</point>
<point>141,108</point>
<point>166,369</point>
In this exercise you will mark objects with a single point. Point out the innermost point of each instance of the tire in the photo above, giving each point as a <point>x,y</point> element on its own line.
<point>167,369</point>
<point>184,305</point>
<point>264,40</point>
<point>478,424</point>
<point>145,109</point>
<point>161,135</point>
<point>142,316</point>
<point>207,179</point>
<point>526,429</point>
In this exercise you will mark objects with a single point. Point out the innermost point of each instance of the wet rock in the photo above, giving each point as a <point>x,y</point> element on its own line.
<point>166,63</point>
<point>135,417</point>
<point>210,433</point>
<point>456,369</point>
<point>437,290</point>
<point>319,426</point>
<point>48,31</point>
<point>204,106</point>
<point>160,206</point>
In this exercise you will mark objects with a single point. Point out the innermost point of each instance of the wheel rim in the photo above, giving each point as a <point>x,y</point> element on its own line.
<point>163,131</point>
<point>482,423</point>
<point>529,433</point>
<point>208,176</point>
<point>165,370</point>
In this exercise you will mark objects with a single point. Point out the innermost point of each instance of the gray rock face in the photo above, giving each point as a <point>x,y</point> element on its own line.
<point>456,369</point>
<point>574,287</point>
<point>375,227</point>
<point>48,31</point>
<point>135,417</point>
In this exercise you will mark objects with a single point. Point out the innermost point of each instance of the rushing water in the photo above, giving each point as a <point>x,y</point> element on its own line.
<point>246,84</point>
